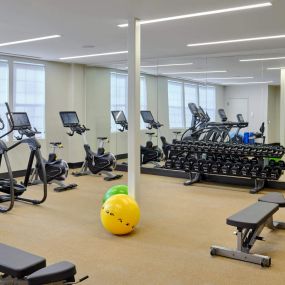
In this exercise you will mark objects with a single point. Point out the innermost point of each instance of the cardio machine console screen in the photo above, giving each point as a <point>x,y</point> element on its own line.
<point>147,117</point>
<point>119,117</point>
<point>69,119</point>
<point>20,120</point>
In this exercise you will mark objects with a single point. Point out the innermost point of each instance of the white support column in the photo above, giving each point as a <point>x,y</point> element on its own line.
<point>282,106</point>
<point>134,54</point>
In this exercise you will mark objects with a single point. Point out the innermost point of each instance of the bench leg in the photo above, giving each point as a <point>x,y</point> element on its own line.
<point>273,225</point>
<point>245,241</point>
<point>264,261</point>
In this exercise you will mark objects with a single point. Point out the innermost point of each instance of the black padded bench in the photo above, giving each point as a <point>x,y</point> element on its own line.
<point>250,223</point>
<point>30,269</point>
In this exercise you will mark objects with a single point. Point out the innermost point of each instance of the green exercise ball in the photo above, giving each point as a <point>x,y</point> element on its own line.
<point>115,190</point>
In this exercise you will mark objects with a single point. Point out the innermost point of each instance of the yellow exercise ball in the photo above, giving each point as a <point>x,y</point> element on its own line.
<point>120,214</point>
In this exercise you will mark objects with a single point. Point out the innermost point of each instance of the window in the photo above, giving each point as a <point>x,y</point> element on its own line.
<point>181,94</point>
<point>190,96</point>
<point>207,100</point>
<point>175,104</point>
<point>143,100</point>
<point>29,93</point>
<point>119,96</point>
<point>4,93</point>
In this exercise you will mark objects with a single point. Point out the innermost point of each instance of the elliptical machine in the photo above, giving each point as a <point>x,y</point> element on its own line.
<point>56,170</point>
<point>94,163</point>
<point>18,121</point>
<point>148,154</point>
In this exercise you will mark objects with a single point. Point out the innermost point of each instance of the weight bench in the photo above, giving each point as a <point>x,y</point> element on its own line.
<point>20,267</point>
<point>250,223</point>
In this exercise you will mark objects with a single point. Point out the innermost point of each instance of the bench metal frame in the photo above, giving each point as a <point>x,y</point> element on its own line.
<point>246,238</point>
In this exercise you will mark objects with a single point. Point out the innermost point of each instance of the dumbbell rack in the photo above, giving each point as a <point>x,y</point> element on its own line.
<point>200,158</point>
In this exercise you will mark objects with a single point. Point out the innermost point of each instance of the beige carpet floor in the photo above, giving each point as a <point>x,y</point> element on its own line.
<point>170,245</point>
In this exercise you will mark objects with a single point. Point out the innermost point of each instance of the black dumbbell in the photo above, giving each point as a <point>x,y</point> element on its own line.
<point>245,171</point>
<point>216,167</point>
<point>275,173</point>
<point>255,171</point>
<point>236,168</point>
<point>266,172</point>
<point>225,169</point>
<point>206,167</point>
<point>281,164</point>
<point>197,166</point>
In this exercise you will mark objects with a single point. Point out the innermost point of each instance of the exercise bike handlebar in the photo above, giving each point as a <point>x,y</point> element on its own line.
<point>27,132</point>
<point>154,125</point>
<point>77,129</point>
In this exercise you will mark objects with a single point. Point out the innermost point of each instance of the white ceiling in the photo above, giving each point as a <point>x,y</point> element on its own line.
<point>94,22</point>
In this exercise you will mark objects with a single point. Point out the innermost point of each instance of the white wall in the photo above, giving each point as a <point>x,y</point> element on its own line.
<point>64,91</point>
<point>257,96</point>
<point>273,114</point>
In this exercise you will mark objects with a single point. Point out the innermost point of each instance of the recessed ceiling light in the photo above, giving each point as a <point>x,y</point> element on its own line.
<point>88,46</point>
<point>29,40</point>
<point>261,59</point>
<point>94,55</point>
<point>196,72</point>
<point>205,13</point>
<point>165,65</point>
<point>224,78</point>
<point>253,82</point>
<point>237,41</point>
<point>276,68</point>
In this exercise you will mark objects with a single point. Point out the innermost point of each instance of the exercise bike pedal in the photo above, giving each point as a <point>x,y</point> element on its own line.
<point>113,178</point>
<point>65,188</point>
<point>260,238</point>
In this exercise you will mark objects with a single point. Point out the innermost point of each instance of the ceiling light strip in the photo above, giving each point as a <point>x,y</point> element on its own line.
<point>29,40</point>
<point>261,59</point>
<point>237,41</point>
<point>195,72</point>
<point>94,55</point>
<point>205,13</point>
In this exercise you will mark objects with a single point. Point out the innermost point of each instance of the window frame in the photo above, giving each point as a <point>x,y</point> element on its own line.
<point>14,63</point>
<point>183,106</point>
<point>113,126</point>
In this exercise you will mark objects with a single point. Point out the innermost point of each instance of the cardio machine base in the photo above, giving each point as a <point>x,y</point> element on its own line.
<point>109,176</point>
<point>195,177</point>
<point>259,184</point>
<point>61,185</point>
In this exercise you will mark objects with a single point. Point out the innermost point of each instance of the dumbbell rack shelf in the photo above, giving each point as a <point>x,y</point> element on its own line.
<point>200,159</point>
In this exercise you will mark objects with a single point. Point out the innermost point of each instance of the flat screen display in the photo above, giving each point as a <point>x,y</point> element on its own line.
<point>69,119</point>
<point>119,117</point>
<point>147,116</point>
<point>21,120</point>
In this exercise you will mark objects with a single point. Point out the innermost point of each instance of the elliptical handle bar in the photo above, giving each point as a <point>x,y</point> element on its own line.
<point>10,120</point>
<point>2,125</point>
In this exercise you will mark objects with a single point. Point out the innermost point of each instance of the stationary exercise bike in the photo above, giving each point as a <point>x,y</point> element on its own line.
<point>152,124</point>
<point>148,154</point>
<point>95,163</point>
<point>56,170</point>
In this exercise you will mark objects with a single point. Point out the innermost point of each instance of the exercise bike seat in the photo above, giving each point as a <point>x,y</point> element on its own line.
<point>54,273</point>
<point>151,134</point>
<point>55,143</point>
<point>102,138</point>
<point>18,263</point>
<point>176,132</point>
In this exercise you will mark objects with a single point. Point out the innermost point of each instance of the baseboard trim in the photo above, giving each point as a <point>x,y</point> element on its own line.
<point>18,173</point>
<point>121,156</point>
<point>73,165</point>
